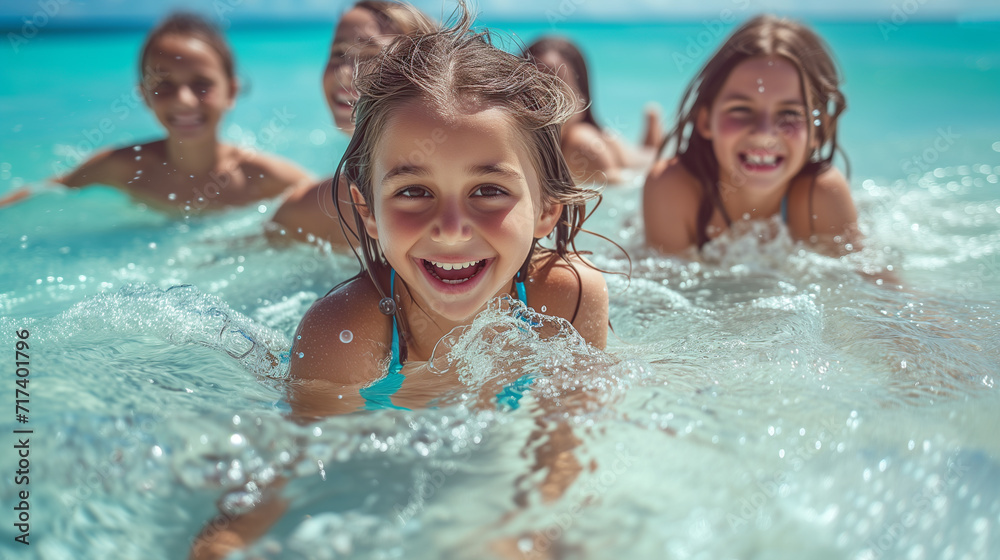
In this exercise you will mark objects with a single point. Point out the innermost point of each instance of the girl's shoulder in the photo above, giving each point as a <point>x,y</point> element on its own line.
<point>115,166</point>
<point>673,176</point>
<point>573,289</point>
<point>670,201</point>
<point>825,203</point>
<point>272,174</point>
<point>590,155</point>
<point>343,337</point>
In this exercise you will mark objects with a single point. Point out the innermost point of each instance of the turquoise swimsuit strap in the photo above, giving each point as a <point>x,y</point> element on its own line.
<point>378,395</point>
<point>394,364</point>
<point>522,296</point>
<point>784,209</point>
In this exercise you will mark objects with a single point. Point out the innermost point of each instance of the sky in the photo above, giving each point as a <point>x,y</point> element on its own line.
<point>113,13</point>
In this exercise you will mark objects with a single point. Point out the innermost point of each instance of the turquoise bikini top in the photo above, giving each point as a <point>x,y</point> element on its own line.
<point>379,394</point>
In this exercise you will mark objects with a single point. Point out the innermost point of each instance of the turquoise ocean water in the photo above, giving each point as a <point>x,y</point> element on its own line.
<point>767,403</point>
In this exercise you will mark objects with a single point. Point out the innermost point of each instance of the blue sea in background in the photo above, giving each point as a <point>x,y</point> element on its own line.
<point>765,403</point>
<point>905,85</point>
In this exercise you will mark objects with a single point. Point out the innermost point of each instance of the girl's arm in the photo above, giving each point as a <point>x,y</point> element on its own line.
<point>327,368</point>
<point>102,168</point>
<point>226,534</point>
<point>277,175</point>
<point>312,211</point>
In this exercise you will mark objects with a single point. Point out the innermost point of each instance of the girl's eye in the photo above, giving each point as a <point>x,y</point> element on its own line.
<point>164,88</point>
<point>489,191</point>
<point>739,111</point>
<point>412,192</point>
<point>201,86</point>
<point>791,116</point>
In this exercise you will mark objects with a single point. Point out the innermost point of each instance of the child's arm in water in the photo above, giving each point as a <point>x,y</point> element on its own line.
<point>227,533</point>
<point>106,168</point>
<point>272,175</point>
<point>308,214</point>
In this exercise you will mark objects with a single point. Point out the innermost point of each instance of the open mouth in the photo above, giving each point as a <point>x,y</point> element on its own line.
<point>456,272</point>
<point>187,121</point>
<point>343,100</point>
<point>756,161</point>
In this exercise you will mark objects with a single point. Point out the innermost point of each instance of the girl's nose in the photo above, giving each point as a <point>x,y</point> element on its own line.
<point>764,124</point>
<point>187,96</point>
<point>452,225</point>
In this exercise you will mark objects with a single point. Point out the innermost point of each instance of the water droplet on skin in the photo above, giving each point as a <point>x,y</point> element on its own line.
<point>815,112</point>
<point>299,337</point>
<point>262,208</point>
<point>770,63</point>
<point>760,89</point>
<point>137,148</point>
<point>816,122</point>
<point>191,176</point>
<point>172,196</point>
<point>302,355</point>
<point>346,336</point>
<point>137,158</point>
<point>139,172</point>
<point>261,175</point>
<point>544,309</point>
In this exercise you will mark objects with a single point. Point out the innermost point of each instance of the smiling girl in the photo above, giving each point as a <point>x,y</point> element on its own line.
<point>456,174</point>
<point>755,137</point>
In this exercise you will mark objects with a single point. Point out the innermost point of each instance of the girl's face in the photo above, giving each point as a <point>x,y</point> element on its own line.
<point>186,86</point>
<point>456,205</point>
<point>758,124</point>
<point>355,28</point>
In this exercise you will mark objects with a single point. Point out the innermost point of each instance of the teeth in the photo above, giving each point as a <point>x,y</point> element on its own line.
<point>760,159</point>
<point>453,266</point>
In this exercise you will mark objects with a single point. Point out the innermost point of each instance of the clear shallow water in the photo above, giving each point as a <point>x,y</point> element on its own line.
<point>768,403</point>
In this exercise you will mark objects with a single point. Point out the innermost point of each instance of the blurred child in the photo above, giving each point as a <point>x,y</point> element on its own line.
<point>593,154</point>
<point>188,82</point>
<point>361,32</point>
<point>755,137</point>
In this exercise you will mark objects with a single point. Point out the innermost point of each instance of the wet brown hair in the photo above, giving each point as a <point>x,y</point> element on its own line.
<point>186,24</point>
<point>764,35</point>
<point>448,68</point>
<point>577,65</point>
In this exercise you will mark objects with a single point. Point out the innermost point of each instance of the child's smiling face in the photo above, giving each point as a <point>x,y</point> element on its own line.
<point>758,124</point>
<point>186,86</point>
<point>456,204</point>
<point>356,28</point>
